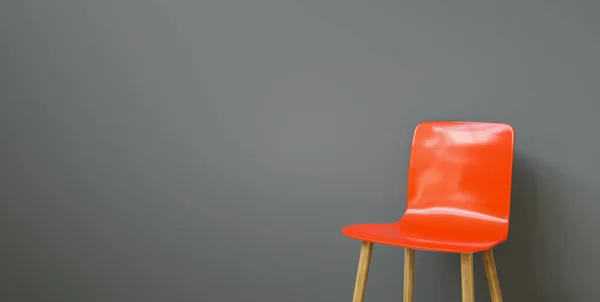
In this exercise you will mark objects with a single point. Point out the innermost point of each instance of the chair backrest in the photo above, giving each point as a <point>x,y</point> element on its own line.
<point>461,168</point>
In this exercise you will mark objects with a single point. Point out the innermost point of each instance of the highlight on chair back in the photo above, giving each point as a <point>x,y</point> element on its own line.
<point>458,201</point>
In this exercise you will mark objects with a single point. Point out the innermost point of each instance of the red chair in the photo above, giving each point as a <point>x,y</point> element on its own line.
<point>458,201</point>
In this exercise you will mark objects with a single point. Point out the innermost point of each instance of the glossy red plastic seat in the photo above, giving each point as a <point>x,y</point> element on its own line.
<point>458,191</point>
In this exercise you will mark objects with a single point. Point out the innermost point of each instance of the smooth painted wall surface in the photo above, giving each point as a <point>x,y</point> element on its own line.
<point>212,150</point>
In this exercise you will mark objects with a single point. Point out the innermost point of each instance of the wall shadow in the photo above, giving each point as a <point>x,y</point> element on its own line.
<point>515,258</point>
<point>535,189</point>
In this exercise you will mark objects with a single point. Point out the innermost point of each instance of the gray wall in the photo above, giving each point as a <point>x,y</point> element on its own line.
<point>212,150</point>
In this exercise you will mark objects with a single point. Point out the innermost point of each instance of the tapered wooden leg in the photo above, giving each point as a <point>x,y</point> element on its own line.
<point>466,271</point>
<point>409,274</point>
<point>492,275</point>
<point>363,271</point>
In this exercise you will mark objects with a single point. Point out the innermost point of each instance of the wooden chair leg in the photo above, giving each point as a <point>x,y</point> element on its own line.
<point>409,274</point>
<point>363,271</point>
<point>492,275</point>
<point>466,272</point>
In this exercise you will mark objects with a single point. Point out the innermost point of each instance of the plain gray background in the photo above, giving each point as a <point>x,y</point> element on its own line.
<point>212,150</point>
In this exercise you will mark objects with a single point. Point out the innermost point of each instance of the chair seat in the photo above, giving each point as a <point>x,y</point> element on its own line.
<point>443,233</point>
